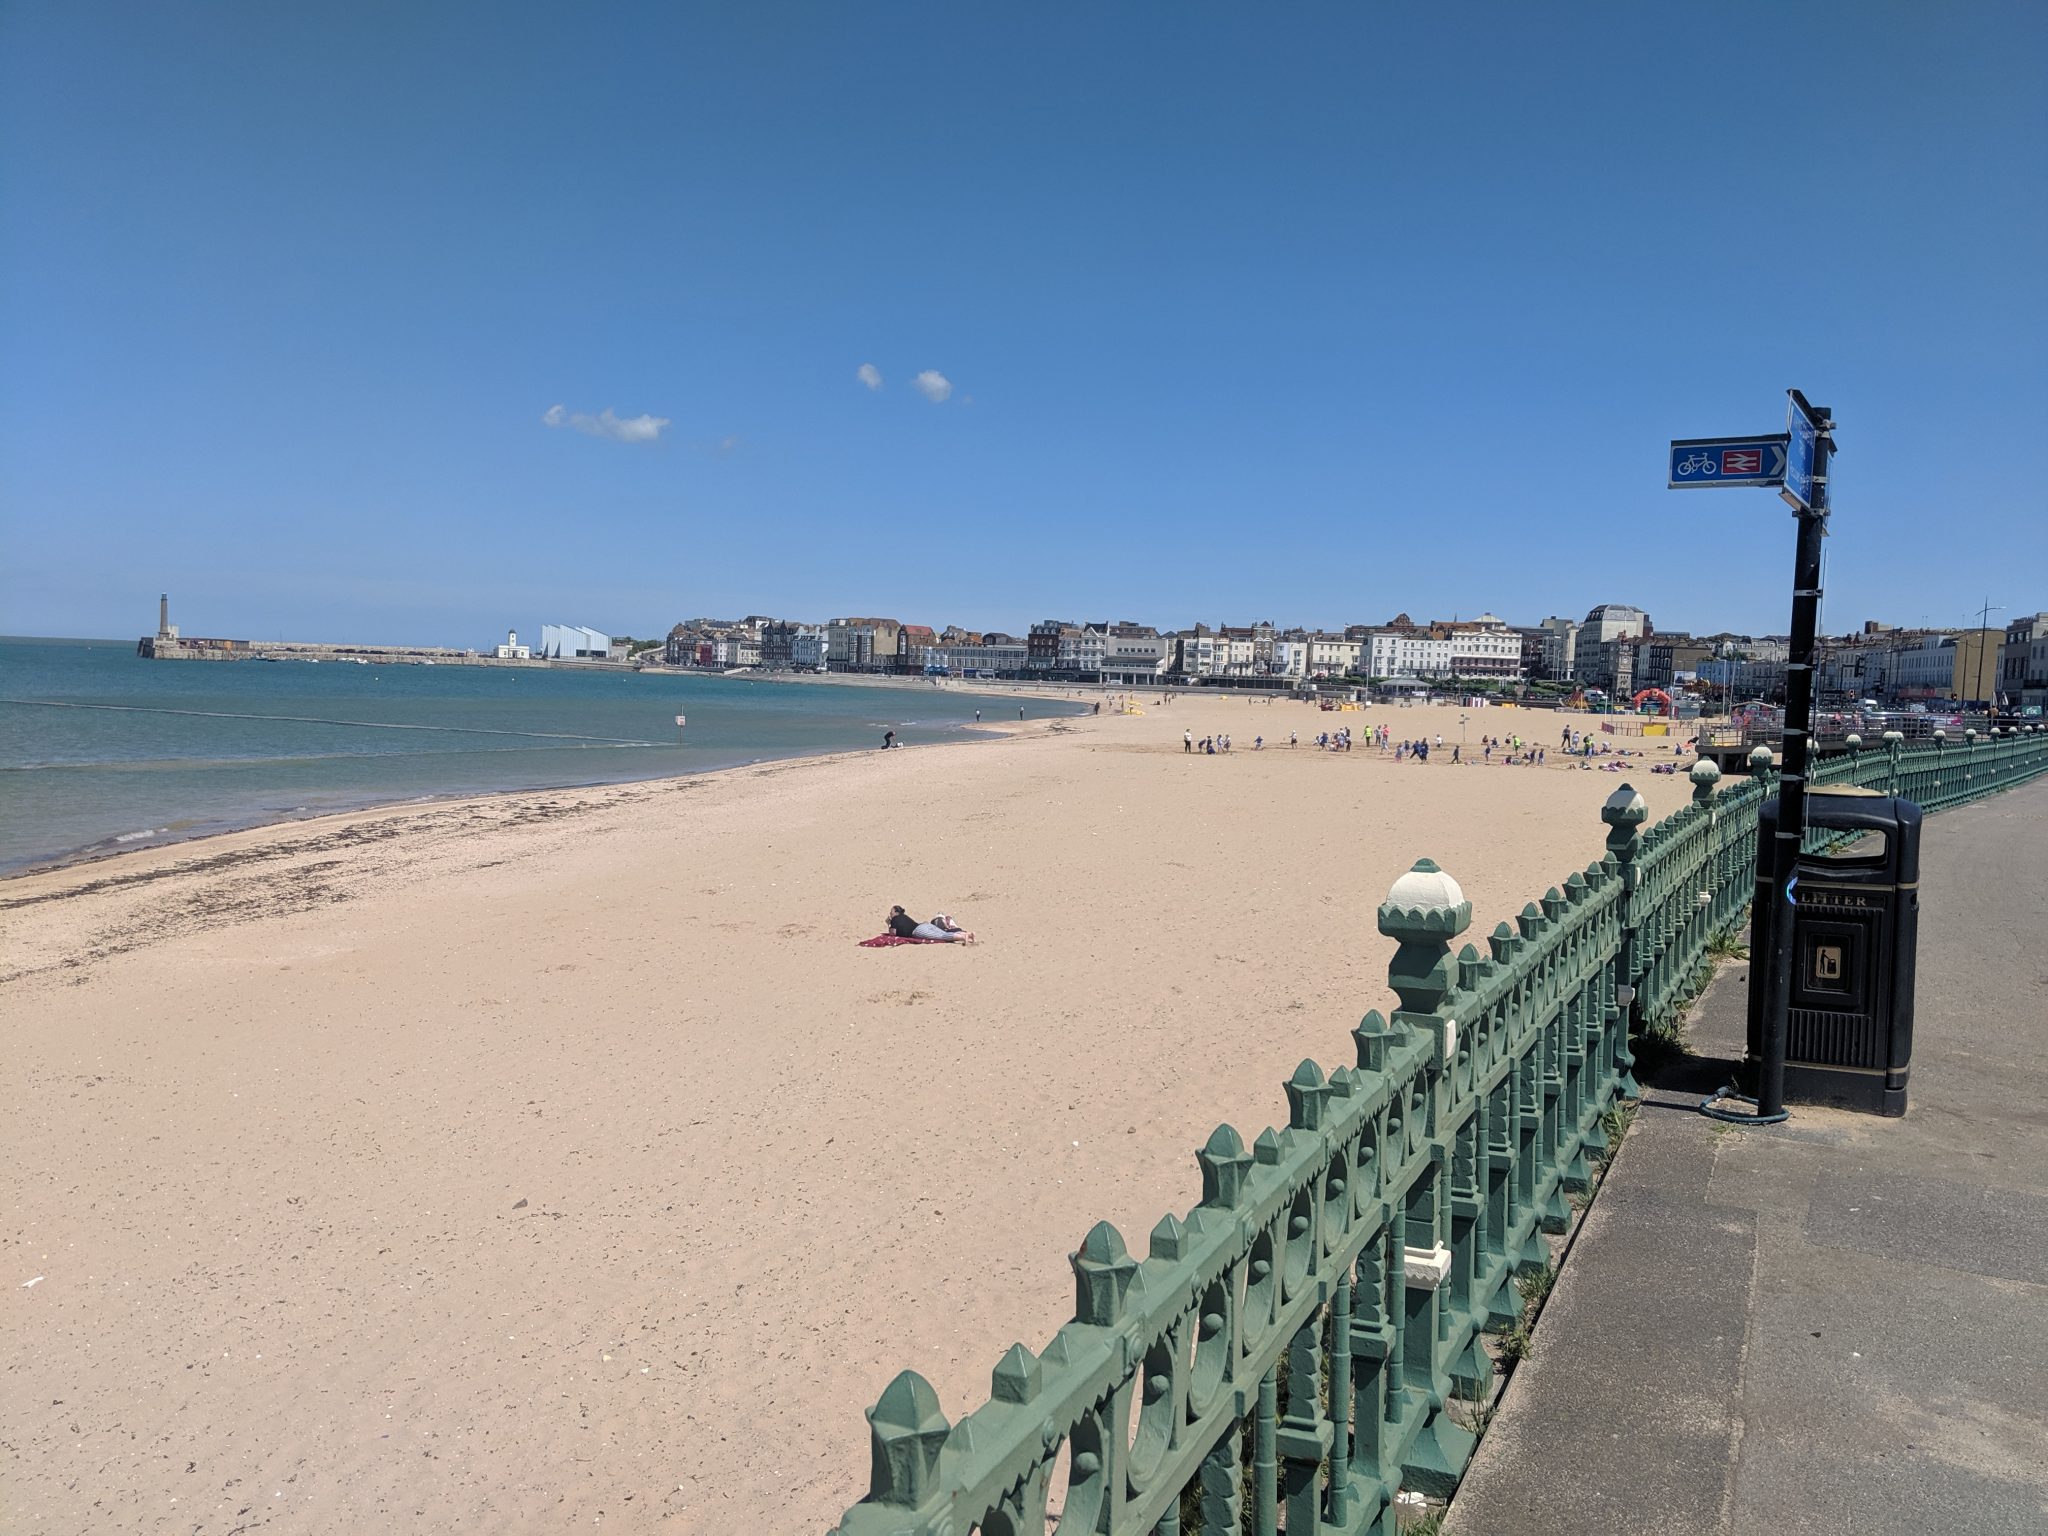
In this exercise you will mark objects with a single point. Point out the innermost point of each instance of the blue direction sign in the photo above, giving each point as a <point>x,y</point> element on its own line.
<point>1730,461</point>
<point>1799,435</point>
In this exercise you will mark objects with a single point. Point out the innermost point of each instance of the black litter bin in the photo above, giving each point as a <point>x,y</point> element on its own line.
<point>1855,934</point>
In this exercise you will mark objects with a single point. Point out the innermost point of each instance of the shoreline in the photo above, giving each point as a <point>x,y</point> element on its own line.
<point>113,846</point>
<point>95,854</point>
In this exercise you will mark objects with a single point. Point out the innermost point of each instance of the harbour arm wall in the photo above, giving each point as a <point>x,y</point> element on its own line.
<point>180,648</point>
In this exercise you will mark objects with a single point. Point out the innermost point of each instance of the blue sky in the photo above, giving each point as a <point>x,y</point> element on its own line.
<point>1303,313</point>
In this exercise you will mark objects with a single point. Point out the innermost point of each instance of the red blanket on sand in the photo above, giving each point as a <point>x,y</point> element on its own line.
<point>891,940</point>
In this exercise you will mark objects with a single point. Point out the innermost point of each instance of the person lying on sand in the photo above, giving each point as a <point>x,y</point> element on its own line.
<point>941,928</point>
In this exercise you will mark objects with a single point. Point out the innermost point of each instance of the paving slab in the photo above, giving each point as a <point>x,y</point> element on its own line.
<point>1836,1325</point>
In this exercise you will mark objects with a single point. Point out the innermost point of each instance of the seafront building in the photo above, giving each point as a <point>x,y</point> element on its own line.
<point>995,655</point>
<point>1133,655</point>
<point>1402,650</point>
<point>1558,648</point>
<point>863,645</point>
<point>1960,665</point>
<point>574,642</point>
<point>1485,647</point>
<point>2023,662</point>
<point>1669,660</point>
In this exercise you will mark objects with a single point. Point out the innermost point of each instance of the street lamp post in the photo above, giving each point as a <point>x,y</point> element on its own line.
<point>1983,618</point>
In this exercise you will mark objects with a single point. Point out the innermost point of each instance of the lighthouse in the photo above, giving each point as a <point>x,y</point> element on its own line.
<point>165,630</point>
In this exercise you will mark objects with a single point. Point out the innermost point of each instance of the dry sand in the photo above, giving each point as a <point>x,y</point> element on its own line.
<point>558,1159</point>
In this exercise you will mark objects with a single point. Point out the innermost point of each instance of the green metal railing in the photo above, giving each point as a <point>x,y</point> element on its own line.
<point>1288,1353</point>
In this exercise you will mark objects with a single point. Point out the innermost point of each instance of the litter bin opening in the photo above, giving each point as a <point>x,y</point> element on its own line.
<point>1870,850</point>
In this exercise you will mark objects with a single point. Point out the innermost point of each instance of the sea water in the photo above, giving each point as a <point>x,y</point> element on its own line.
<point>101,750</point>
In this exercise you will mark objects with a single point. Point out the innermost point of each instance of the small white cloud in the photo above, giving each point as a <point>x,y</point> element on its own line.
<point>933,385</point>
<point>606,424</point>
<point>869,375</point>
<point>728,444</point>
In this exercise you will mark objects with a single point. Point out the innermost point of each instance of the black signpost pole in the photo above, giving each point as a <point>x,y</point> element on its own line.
<point>1798,759</point>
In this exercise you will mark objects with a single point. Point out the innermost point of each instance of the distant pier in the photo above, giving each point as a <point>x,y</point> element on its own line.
<point>169,645</point>
<point>174,647</point>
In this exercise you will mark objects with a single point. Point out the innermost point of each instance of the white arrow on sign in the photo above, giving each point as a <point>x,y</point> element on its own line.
<point>1778,461</point>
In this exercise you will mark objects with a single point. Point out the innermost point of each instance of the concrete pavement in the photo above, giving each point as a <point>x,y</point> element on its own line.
<point>1836,1325</point>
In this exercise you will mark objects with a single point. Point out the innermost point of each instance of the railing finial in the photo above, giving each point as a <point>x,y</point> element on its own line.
<point>908,1431</point>
<point>1103,1268</point>
<point>1224,1165</point>
<point>1423,912</point>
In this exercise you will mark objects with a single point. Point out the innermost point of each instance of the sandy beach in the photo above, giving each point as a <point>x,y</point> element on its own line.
<point>558,1158</point>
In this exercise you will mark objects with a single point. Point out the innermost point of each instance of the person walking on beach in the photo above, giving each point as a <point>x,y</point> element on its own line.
<point>1187,740</point>
<point>977,717</point>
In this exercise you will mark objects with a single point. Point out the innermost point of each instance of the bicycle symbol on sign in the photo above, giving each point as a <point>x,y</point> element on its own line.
<point>1701,463</point>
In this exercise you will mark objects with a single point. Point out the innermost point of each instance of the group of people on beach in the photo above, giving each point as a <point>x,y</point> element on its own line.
<point>1515,752</point>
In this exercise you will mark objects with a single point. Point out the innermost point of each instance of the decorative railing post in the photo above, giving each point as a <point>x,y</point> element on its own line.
<point>1894,745</point>
<point>1103,1274</point>
<point>1222,1486</point>
<point>1266,1456</point>
<point>1706,787</point>
<point>1625,812</point>
<point>1423,913</point>
<point>1305,1435</point>
<point>1341,1457</point>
